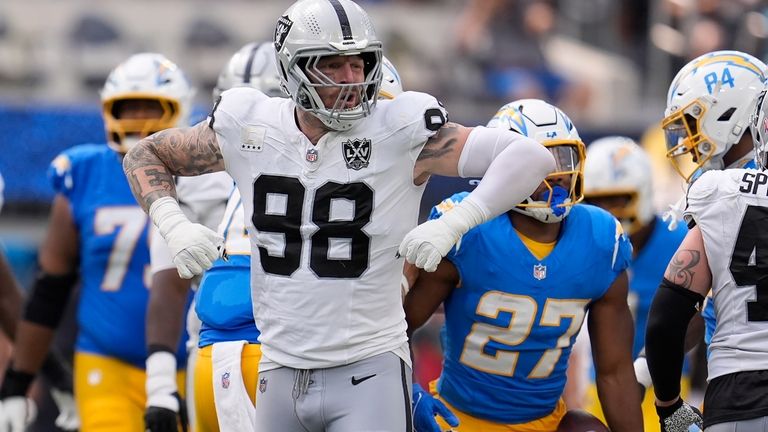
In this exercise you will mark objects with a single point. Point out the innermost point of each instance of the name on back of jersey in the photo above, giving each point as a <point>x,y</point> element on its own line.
<point>751,182</point>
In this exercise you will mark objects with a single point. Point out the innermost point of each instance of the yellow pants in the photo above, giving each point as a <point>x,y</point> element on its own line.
<point>205,407</point>
<point>650,418</point>
<point>110,394</point>
<point>467,423</point>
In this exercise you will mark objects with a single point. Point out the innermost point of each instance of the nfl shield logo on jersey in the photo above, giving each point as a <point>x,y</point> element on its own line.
<point>263,385</point>
<point>312,155</point>
<point>225,380</point>
<point>357,152</point>
<point>539,271</point>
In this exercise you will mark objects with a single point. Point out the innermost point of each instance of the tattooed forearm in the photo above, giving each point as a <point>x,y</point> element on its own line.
<point>189,151</point>
<point>680,269</point>
<point>151,164</point>
<point>442,143</point>
<point>148,177</point>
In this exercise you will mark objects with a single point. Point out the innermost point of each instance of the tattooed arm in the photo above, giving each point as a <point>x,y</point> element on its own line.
<point>689,267</point>
<point>441,153</point>
<point>512,166</point>
<point>152,163</point>
<point>679,297</point>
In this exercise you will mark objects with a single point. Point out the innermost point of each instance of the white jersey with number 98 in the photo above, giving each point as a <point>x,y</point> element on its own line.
<point>325,222</point>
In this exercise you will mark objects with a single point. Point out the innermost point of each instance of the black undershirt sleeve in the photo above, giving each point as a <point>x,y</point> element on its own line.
<point>672,309</point>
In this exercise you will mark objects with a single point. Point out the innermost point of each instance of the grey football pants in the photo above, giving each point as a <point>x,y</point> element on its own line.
<point>373,394</point>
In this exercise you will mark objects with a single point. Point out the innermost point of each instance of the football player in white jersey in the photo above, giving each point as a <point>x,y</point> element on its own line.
<point>331,183</point>
<point>709,105</point>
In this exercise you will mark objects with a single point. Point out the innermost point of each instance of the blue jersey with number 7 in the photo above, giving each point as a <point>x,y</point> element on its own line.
<point>114,255</point>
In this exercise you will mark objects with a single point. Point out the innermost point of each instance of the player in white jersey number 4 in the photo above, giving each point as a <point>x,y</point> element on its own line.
<point>331,182</point>
<point>726,250</point>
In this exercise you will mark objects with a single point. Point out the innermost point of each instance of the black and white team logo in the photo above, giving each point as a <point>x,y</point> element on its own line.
<point>284,25</point>
<point>357,153</point>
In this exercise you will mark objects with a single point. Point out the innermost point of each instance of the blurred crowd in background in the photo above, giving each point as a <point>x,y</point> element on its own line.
<point>606,63</point>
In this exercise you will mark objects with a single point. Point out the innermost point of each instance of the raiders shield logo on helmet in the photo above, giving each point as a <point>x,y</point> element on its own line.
<point>357,153</point>
<point>284,25</point>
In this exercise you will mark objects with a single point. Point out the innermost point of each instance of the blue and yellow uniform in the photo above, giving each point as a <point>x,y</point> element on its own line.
<point>645,273</point>
<point>512,321</point>
<point>223,304</point>
<point>114,262</point>
<point>647,270</point>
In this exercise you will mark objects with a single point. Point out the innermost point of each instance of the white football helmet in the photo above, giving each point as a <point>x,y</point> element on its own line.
<point>709,105</point>
<point>616,166</point>
<point>391,84</point>
<point>548,125</point>
<point>145,76</point>
<point>253,65</point>
<point>312,29</point>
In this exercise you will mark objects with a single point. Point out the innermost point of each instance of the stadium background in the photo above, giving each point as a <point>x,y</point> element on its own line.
<point>607,63</point>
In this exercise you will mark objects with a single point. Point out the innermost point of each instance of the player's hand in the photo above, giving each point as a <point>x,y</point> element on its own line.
<point>426,407</point>
<point>194,247</point>
<point>166,410</point>
<point>674,214</point>
<point>162,419</point>
<point>16,413</point>
<point>678,417</point>
<point>58,375</point>
<point>427,244</point>
<point>67,419</point>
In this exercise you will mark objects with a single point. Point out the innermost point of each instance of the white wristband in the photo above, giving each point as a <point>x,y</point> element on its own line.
<point>166,214</point>
<point>161,381</point>
<point>465,216</point>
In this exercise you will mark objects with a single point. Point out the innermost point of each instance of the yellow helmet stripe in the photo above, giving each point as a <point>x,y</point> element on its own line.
<point>732,59</point>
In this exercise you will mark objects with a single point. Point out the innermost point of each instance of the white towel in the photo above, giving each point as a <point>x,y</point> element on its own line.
<point>234,409</point>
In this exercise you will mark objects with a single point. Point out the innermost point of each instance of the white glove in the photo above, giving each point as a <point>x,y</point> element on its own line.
<point>425,245</point>
<point>642,374</point>
<point>674,214</point>
<point>194,247</point>
<point>16,413</point>
<point>68,419</point>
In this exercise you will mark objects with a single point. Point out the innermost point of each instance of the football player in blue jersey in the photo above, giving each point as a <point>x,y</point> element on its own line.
<point>516,290</point>
<point>97,236</point>
<point>617,177</point>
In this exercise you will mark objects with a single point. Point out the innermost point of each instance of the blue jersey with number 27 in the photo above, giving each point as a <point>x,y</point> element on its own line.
<point>511,322</point>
